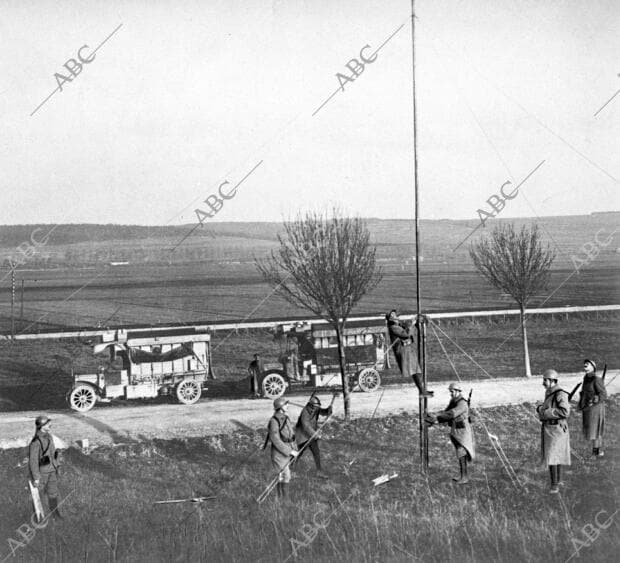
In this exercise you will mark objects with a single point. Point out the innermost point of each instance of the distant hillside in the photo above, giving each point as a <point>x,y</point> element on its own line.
<point>91,244</point>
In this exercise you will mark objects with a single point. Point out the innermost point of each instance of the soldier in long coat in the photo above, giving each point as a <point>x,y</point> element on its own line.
<point>592,406</point>
<point>43,463</point>
<point>404,348</point>
<point>282,438</point>
<point>461,434</point>
<point>555,439</point>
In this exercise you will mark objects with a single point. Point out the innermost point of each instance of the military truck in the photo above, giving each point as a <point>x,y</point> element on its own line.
<point>146,363</point>
<point>309,356</point>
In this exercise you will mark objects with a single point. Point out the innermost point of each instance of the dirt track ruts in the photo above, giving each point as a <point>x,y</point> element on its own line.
<point>108,424</point>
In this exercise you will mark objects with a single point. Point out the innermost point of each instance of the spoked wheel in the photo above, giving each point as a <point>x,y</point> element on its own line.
<point>82,398</point>
<point>188,392</point>
<point>369,380</point>
<point>274,385</point>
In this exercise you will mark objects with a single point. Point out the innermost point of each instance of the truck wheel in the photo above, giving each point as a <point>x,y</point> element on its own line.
<point>188,391</point>
<point>82,398</point>
<point>273,385</point>
<point>369,380</point>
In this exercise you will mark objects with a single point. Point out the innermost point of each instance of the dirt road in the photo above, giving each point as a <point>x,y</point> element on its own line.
<point>108,424</point>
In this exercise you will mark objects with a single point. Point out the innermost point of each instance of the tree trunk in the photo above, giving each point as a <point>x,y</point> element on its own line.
<point>526,352</point>
<point>343,371</point>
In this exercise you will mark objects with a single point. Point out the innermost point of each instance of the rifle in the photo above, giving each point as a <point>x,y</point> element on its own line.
<point>576,388</point>
<point>604,373</point>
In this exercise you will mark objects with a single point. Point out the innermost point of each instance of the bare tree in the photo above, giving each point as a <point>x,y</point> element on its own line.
<point>325,265</point>
<point>516,263</point>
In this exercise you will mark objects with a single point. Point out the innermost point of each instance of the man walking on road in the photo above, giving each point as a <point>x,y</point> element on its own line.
<point>592,407</point>
<point>555,440</point>
<point>307,425</point>
<point>461,434</point>
<point>282,438</point>
<point>43,463</point>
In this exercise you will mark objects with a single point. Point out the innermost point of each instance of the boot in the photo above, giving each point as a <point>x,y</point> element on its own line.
<point>554,480</point>
<point>418,382</point>
<point>53,501</point>
<point>279,491</point>
<point>284,489</point>
<point>558,470</point>
<point>464,479</point>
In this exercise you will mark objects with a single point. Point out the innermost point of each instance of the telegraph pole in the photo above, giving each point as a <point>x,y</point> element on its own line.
<point>420,326</point>
<point>21,308</point>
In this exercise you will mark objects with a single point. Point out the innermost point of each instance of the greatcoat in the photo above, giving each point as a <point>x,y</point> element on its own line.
<point>281,436</point>
<point>461,434</point>
<point>592,406</point>
<point>308,422</point>
<point>555,440</point>
<point>43,463</point>
<point>404,348</point>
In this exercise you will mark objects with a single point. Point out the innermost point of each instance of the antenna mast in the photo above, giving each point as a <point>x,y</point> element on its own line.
<point>420,326</point>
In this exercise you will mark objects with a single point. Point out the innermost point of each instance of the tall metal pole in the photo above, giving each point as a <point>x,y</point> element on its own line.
<point>421,330</point>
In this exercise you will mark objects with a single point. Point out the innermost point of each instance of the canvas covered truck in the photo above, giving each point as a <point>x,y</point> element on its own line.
<point>146,363</point>
<point>309,356</point>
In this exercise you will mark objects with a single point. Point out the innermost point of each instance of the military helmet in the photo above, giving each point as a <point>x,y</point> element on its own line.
<point>314,400</point>
<point>279,403</point>
<point>550,374</point>
<point>454,387</point>
<point>586,361</point>
<point>42,420</point>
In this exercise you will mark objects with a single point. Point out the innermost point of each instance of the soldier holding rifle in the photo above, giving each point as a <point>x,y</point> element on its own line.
<point>282,438</point>
<point>555,440</point>
<point>405,352</point>
<point>43,463</point>
<point>461,435</point>
<point>592,406</point>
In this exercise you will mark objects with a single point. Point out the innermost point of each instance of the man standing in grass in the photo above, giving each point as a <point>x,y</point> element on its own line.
<point>461,434</point>
<point>306,430</point>
<point>592,407</point>
<point>553,414</point>
<point>282,438</point>
<point>43,463</point>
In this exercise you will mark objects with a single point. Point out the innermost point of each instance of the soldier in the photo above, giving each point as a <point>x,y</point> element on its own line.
<point>307,425</point>
<point>403,345</point>
<point>592,406</point>
<point>44,464</point>
<point>282,438</point>
<point>461,434</point>
<point>255,370</point>
<point>553,414</point>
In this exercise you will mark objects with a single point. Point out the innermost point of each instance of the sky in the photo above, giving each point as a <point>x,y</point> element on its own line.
<point>186,95</point>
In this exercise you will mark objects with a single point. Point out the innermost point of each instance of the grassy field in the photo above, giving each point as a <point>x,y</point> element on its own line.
<point>109,513</point>
<point>152,295</point>
<point>36,374</point>
<point>70,282</point>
